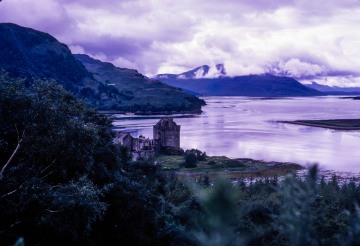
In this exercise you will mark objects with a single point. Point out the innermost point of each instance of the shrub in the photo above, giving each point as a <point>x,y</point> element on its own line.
<point>190,160</point>
<point>192,156</point>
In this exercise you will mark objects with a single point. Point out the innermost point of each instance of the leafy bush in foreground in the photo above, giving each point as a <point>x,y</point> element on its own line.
<point>62,180</point>
<point>296,211</point>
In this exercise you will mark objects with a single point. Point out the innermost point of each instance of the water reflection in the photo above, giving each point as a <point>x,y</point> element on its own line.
<point>246,127</point>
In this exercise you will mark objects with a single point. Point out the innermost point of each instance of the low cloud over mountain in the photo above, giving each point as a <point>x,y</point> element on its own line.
<point>212,81</point>
<point>304,39</point>
<point>205,71</point>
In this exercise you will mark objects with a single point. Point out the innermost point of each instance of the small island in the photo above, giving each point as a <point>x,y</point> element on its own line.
<point>336,124</point>
<point>353,98</point>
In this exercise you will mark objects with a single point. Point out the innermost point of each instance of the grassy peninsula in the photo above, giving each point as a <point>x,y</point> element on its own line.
<point>213,166</point>
<point>336,124</point>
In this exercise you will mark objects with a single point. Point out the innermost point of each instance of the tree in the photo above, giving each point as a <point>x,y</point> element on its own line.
<point>192,156</point>
<point>63,179</point>
<point>53,149</point>
<point>190,159</point>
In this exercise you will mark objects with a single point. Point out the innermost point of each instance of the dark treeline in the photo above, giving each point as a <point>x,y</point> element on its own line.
<point>63,182</point>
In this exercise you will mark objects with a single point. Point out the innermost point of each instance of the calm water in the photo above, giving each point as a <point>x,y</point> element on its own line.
<point>247,127</point>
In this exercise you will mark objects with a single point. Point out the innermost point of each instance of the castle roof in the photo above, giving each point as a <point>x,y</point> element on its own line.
<point>166,123</point>
<point>122,135</point>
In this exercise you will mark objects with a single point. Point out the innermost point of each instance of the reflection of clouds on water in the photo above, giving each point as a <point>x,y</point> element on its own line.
<point>230,106</point>
<point>310,129</point>
<point>243,127</point>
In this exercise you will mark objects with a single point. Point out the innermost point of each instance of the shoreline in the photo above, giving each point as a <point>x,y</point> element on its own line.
<point>246,169</point>
<point>334,124</point>
<point>111,112</point>
<point>233,168</point>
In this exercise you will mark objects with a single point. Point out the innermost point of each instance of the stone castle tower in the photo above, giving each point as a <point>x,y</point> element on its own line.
<point>167,133</point>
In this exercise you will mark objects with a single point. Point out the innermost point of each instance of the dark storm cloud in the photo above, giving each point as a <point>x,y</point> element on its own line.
<point>114,47</point>
<point>343,73</point>
<point>301,38</point>
<point>49,16</point>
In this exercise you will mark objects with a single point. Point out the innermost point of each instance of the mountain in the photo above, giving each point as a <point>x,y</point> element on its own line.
<point>334,89</point>
<point>265,85</point>
<point>130,90</point>
<point>203,71</point>
<point>33,54</point>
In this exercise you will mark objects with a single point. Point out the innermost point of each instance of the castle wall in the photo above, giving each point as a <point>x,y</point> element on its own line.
<point>142,143</point>
<point>172,138</point>
<point>167,137</point>
<point>156,133</point>
<point>126,141</point>
<point>140,147</point>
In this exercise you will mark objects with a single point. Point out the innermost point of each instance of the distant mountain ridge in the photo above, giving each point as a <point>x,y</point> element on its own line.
<point>30,54</point>
<point>200,80</point>
<point>204,71</point>
<point>332,89</point>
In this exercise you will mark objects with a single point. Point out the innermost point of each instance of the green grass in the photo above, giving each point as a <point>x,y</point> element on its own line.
<point>214,165</point>
<point>170,162</point>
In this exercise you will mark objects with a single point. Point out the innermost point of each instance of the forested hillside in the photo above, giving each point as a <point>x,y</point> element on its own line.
<point>31,54</point>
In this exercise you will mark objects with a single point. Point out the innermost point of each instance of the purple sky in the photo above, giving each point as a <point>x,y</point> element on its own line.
<point>306,39</point>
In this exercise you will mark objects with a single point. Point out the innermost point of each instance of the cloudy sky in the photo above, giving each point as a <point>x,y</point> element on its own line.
<point>307,39</point>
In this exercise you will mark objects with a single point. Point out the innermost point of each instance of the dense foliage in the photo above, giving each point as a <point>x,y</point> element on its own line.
<point>192,156</point>
<point>294,211</point>
<point>63,181</point>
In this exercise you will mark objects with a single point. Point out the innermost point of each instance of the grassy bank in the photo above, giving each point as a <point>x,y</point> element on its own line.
<point>232,168</point>
<point>338,124</point>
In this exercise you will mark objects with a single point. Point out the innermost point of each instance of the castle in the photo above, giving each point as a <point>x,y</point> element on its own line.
<point>166,135</point>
